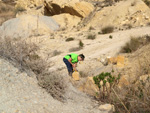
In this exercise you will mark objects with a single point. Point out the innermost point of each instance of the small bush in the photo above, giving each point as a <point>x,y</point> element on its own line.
<point>108,29</point>
<point>69,39</point>
<point>110,36</point>
<point>91,36</point>
<point>91,28</point>
<point>54,84</point>
<point>19,9</point>
<point>147,2</point>
<point>135,43</point>
<point>99,33</point>
<point>75,49</point>
<point>81,44</point>
<point>55,53</point>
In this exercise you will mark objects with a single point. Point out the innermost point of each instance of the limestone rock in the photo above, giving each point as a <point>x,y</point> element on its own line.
<point>66,20</point>
<point>25,4</point>
<point>119,60</point>
<point>27,25</point>
<point>75,76</point>
<point>80,9</point>
<point>89,87</point>
<point>107,108</point>
<point>124,81</point>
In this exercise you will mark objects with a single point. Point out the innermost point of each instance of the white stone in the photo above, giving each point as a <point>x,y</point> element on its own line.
<point>107,107</point>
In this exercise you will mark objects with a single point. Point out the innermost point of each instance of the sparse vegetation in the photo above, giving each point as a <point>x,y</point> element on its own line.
<point>55,53</point>
<point>69,39</point>
<point>19,9</point>
<point>54,84</point>
<point>110,36</point>
<point>91,36</point>
<point>135,43</point>
<point>108,29</point>
<point>74,49</point>
<point>91,28</point>
<point>26,57</point>
<point>147,2</point>
<point>99,33</point>
<point>81,44</point>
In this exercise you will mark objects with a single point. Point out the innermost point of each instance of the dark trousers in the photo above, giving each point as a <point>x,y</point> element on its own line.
<point>69,66</point>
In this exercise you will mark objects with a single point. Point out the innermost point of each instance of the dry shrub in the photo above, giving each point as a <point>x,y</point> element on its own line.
<point>147,2</point>
<point>56,52</point>
<point>107,29</point>
<point>25,54</point>
<point>91,36</point>
<point>75,49</point>
<point>54,84</point>
<point>69,39</point>
<point>135,43</point>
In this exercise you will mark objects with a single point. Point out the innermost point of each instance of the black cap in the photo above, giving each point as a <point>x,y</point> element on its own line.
<point>82,56</point>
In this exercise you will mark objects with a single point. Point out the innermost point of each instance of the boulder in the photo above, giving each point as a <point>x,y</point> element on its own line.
<point>66,20</point>
<point>89,87</point>
<point>28,25</point>
<point>119,61</point>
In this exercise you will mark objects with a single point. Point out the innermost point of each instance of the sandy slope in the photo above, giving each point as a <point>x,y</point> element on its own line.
<point>19,92</point>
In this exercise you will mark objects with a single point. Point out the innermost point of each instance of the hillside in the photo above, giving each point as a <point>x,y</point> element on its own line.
<point>37,35</point>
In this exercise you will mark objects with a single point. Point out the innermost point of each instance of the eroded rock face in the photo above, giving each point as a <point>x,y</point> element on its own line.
<point>124,14</point>
<point>27,25</point>
<point>80,9</point>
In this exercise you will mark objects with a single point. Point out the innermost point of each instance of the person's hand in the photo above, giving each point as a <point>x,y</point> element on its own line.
<point>73,65</point>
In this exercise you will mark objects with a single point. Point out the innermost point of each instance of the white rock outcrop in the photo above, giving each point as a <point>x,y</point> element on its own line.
<point>26,25</point>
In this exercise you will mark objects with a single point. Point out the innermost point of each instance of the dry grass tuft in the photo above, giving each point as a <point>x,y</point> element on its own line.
<point>108,29</point>
<point>135,43</point>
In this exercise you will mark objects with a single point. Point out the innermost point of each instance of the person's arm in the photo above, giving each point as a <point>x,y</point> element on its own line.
<point>73,65</point>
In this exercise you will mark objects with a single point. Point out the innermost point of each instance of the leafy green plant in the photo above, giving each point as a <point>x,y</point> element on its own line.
<point>101,80</point>
<point>107,29</point>
<point>91,36</point>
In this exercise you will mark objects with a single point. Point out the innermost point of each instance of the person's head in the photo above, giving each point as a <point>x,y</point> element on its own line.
<point>81,57</point>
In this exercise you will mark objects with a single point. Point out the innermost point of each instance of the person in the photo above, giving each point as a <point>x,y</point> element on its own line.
<point>71,61</point>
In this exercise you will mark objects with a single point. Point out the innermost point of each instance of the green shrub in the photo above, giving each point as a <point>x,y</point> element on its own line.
<point>69,39</point>
<point>91,36</point>
<point>104,90</point>
<point>108,29</point>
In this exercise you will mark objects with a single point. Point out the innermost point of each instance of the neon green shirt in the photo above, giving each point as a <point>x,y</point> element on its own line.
<point>73,56</point>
